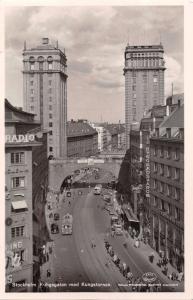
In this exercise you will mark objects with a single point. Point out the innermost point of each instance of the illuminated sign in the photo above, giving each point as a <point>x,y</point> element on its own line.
<point>21,138</point>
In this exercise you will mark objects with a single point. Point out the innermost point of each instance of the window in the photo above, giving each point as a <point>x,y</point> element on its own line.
<point>49,74</point>
<point>177,214</point>
<point>155,150</point>
<point>50,90</point>
<point>50,66</point>
<point>134,80</point>
<point>50,82</point>
<point>177,154</point>
<point>32,99</point>
<point>50,116</point>
<point>31,82</point>
<point>177,174</point>
<point>134,96</point>
<point>17,158</point>
<point>168,171</point>
<point>177,194</point>
<point>32,108</point>
<point>155,201</point>
<point>50,149</point>
<point>17,231</point>
<point>161,169</point>
<point>134,111</point>
<point>134,88</point>
<point>162,206</point>
<point>50,124</point>
<point>41,65</point>
<point>155,167</point>
<point>31,75</point>
<point>161,151</point>
<point>50,107</point>
<point>168,190</point>
<point>50,133</point>
<point>155,184</point>
<point>161,186</point>
<point>32,91</point>
<point>168,152</point>
<point>134,102</point>
<point>50,99</point>
<point>18,182</point>
<point>32,66</point>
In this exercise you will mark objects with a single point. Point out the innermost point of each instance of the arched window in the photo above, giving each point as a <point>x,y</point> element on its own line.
<point>41,62</point>
<point>50,62</point>
<point>32,62</point>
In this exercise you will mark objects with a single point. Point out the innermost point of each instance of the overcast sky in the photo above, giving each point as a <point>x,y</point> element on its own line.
<point>94,39</point>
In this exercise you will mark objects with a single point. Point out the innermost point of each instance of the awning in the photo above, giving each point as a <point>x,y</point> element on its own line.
<point>19,204</point>
<point>130,216</point>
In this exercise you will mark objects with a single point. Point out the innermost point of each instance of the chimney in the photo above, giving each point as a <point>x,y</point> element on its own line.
<point>167,110</point>
<point>45,41</point>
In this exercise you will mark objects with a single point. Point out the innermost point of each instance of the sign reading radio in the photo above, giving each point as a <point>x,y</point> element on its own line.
<point>21,138</point>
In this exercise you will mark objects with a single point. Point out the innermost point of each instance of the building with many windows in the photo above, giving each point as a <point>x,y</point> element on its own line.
<point>45,92</point>
<point>167,188</point>
<point>26,182</point>
<point>102,135</point>
<point>144,82</point>
<point>82,139</point>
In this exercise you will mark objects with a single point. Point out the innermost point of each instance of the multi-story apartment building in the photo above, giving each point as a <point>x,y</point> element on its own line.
<point>102,135</point>
<point>144,82</point>
<point>26,180</point>
<point>140,159</point>
<point>82,139</point>
<point>45,92</point>
<point>167,188</point>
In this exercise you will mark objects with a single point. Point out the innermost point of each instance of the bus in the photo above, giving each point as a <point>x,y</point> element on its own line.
<point>98,189</point>
<point>67,223</point>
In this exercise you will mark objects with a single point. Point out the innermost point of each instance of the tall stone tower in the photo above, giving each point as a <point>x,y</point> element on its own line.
<point>144,82</point>
<point>45,92</point>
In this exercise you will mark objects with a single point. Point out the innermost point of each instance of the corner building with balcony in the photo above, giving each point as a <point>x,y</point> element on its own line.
<point>26,184</point>
<point>144,82</point>
<point>45,92</point>
<point>167,188</point>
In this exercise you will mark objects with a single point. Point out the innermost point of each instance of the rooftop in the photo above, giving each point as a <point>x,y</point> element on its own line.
<point>79,129</point>
<point>175,119</point>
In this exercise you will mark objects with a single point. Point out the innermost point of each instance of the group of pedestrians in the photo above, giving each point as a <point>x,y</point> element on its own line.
<point>136,283</point>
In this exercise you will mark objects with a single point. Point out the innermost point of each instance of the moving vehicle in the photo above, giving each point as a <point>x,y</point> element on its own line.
<point>98,189</point>
<point>114,220</point>
<point>67,223</point>
<point>118,229</point>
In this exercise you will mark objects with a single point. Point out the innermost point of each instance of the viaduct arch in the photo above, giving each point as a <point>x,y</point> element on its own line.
<point>59,169</point>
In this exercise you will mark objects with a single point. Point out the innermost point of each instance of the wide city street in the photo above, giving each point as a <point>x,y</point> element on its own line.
<point>77,265</point>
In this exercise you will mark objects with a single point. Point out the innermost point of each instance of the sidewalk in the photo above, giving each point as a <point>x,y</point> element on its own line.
<point>145,250</point>
<point>50,246</point>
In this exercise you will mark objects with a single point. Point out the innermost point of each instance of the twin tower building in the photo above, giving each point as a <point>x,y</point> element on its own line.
<point>45,88</point>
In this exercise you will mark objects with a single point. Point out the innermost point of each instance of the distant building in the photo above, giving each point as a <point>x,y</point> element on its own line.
<point>82,139</point>
<point>144,82</point>
<point>26,183</point>
<point>45,92</point>
<point>167,188</point>
<point>102,135</point>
